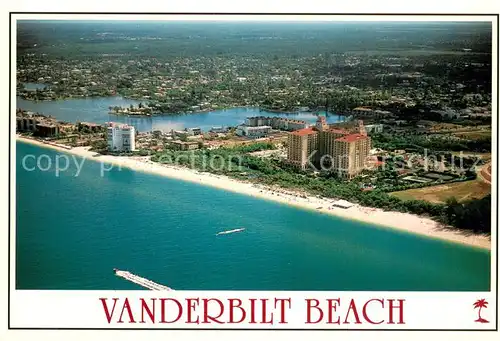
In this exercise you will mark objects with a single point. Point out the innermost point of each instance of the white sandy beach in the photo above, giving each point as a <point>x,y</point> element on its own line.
<point>401,221</point>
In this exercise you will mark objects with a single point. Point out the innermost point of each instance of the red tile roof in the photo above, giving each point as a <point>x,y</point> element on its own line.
<point>351,138</point>
<point>304,132</point>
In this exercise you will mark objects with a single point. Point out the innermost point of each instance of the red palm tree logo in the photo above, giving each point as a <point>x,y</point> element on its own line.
<point>481,304</point>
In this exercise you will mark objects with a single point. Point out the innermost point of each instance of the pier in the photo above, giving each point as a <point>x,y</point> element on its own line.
<point>143,282</point>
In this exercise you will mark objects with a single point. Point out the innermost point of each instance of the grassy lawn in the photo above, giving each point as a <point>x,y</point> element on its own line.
<point>483,156</point>
<point>474,189</point>
<point>474,134</point>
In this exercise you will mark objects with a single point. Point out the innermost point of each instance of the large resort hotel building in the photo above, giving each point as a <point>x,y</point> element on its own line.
<point>121,137</point>
<point>343,148</point>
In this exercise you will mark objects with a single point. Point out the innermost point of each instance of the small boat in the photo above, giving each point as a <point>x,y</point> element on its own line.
<point>230,231</point>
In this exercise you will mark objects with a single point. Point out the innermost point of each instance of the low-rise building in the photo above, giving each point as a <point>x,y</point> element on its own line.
<point>39,125</point>
<point>342,204</point>
<point>294,125</point>
<point>279,123</point>
<point>92,127</point>
<point>382,114</point>
<point>186,133</point>
<point>253,132</point>
<point>374,128</point>
<point>27,122</point>
<point>180,134</point>
<point>183,145</point>
<point>218,130</point>
<point>364,112</point>
<point>194,131</point>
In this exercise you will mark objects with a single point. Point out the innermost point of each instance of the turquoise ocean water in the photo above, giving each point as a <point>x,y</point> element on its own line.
<point>72,231</point>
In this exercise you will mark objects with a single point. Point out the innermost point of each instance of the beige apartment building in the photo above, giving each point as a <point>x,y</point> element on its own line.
<point>301,144</point>
<point>343,148</point>
<point>350,154</point>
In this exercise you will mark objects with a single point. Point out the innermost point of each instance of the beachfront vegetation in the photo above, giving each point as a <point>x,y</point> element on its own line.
<point>419,142</point>
<point>470,215</point>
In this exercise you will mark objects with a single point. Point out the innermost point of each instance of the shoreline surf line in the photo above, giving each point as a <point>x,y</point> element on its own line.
<point>417,225</point>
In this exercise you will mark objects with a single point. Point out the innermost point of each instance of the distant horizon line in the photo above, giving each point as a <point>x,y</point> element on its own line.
<point>186,20</point>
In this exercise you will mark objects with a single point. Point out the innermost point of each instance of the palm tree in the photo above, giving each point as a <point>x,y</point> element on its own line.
<point>481,304</point>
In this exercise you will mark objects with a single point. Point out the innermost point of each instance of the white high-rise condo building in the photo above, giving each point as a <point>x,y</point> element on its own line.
<point>121,137</point>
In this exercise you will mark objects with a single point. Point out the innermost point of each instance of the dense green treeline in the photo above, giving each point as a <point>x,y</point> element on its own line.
<point>436,143</point>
